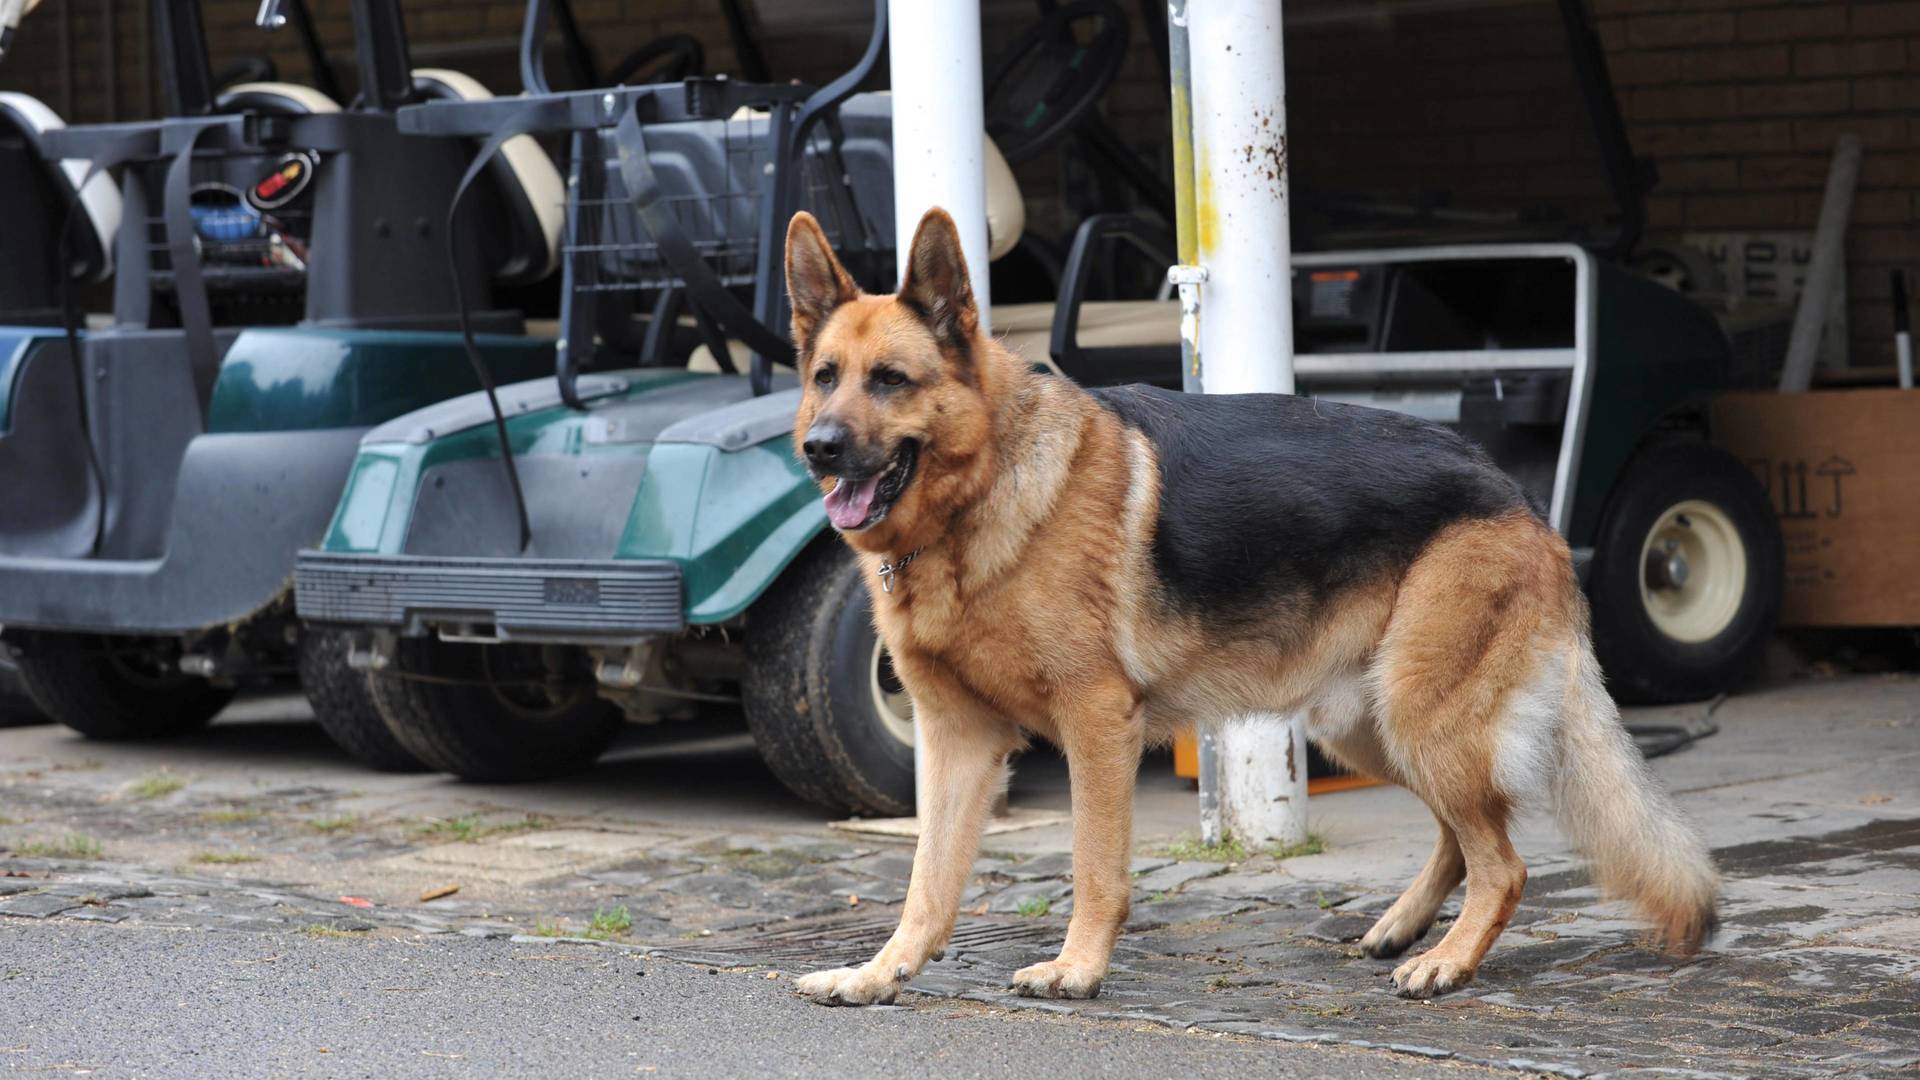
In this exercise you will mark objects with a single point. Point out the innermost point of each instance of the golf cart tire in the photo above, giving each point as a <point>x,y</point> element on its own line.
<point>808,695</point>
<point>343,704</point>
<point>16,706</point>
<point>72,679</point>
<point>454,723</point>
<point>1643,664</point>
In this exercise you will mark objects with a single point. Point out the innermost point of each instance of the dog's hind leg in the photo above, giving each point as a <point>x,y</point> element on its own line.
<point>1496,877</point>
<point>965,756</point>
<point>1410,916</point>
<point>1342,723</point>
<point>1460,679</point>
<point>1102,741</point>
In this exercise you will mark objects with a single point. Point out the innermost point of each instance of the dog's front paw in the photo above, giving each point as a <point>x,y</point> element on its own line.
<point>849,986</point>
<point>1057,979</point>
<point>1430,975</point>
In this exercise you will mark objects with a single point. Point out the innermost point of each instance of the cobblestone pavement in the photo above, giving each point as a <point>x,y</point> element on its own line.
<point>1815,971</point>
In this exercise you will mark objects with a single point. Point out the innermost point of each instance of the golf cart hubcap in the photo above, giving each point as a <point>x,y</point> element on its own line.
<point>890,699</point>
<point>1693,572</point>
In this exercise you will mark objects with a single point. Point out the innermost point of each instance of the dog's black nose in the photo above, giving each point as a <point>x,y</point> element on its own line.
<point>824,444</point>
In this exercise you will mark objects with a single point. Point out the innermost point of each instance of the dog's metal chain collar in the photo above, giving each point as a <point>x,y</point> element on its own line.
<point>889,569</point>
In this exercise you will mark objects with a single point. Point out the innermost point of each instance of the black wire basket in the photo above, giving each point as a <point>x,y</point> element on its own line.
<point>712,181</point>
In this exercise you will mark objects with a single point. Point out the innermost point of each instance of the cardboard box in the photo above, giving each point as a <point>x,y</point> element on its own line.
<point>1843,470</point>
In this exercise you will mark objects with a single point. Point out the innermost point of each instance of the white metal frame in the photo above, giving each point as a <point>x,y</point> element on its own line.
<point>1309,367</point>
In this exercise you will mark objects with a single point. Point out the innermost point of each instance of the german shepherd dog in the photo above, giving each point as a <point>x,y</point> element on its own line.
<point>1105,569</point>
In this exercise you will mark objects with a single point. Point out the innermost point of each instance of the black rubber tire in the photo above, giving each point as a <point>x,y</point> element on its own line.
<point>16,706</point>
<point>343,704</point>
<point>808,692</point>
<point>81,681</point>
<point>1643,664</point>
<point>468,729</point>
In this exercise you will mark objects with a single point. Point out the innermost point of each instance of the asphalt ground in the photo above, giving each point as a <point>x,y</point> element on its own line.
<point>153,1001</point>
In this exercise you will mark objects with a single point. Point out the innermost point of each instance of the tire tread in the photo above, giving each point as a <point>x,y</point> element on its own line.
<point>343,704</point>
<point>71,682</point>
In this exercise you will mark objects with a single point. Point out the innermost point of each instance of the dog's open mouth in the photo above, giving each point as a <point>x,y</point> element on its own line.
<point>856,504</point>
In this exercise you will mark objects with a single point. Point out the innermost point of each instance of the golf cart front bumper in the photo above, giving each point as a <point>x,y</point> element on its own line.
<point>546,600</point>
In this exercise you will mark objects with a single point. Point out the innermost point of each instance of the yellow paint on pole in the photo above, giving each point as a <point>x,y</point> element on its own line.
<point>1206,225</point>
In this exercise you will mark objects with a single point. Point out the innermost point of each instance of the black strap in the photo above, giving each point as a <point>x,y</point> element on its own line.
<point>705,292</point>
<point>715,341</point>
<point>516,124</point>
<point>189,285</point>
<point>124,149</point>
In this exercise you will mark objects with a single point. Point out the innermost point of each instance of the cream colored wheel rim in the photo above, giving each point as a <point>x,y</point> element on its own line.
<point>1693,572</point>
<point>890,698</point>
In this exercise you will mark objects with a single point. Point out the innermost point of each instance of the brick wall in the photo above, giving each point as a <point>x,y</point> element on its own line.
<point>1738,101</point>
<point>1740,104</point>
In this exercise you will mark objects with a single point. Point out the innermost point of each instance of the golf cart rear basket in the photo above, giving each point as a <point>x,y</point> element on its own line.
<point>678,198</point>
<point>250,248</point>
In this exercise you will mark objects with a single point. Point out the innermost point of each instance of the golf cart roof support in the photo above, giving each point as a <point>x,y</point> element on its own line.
<point>1627,177</point>
<point>1236,82</point>
<point>319,69</point>
<point>746,48</point>
<point>533,42</point>
<point>939,127</point>
<point>180,42</point>
<point>386,68</point>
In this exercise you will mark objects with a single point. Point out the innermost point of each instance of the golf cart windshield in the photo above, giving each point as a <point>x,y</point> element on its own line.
<point>1420,122</point>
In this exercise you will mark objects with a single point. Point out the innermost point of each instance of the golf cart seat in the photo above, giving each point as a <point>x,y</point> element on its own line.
<point>38,198</point>
<point>1107,324</point>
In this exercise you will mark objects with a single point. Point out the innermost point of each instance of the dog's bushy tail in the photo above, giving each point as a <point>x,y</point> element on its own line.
<point>1622,821</point>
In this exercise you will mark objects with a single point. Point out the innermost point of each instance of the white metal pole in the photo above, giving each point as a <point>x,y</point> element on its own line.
<point>939,125</point>
<point>1238,78</point>
<point>1240,150</point>
<point>939,142</point>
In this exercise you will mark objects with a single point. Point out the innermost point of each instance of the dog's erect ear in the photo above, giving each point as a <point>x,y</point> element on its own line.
<point>936,283</point>
<point>816,282</point>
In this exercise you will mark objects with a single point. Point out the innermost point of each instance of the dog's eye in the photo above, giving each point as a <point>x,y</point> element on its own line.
<point>890,377</point>
<point>823,375</point>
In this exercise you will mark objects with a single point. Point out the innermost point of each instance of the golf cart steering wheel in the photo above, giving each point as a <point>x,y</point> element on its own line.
<point>1046,83</point>
<point>669,58</point>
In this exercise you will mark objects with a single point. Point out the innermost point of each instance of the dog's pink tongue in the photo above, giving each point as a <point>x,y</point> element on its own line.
<point>848,503</point>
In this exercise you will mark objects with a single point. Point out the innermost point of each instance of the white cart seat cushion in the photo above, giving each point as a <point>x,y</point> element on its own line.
<point>1006,210</point>
<point>99,202</point>
<point>528,183</point>
<point>284,97</point>
<point>1028,328</point>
